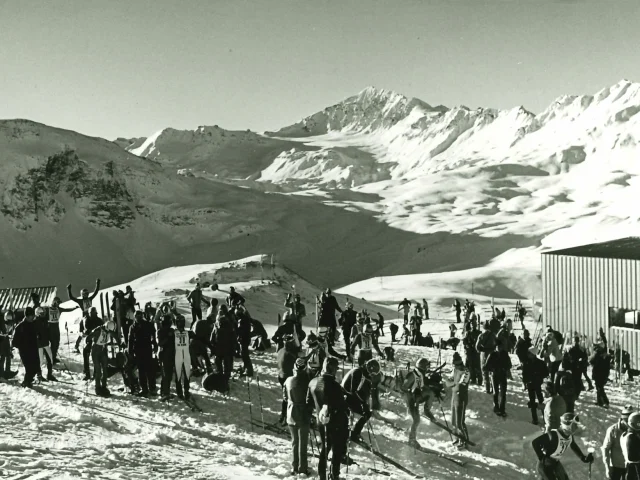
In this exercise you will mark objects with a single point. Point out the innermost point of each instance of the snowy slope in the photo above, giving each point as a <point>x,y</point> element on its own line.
<point>61,430</point>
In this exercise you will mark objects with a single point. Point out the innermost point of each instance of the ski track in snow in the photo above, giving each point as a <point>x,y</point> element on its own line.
<point>61,430</point>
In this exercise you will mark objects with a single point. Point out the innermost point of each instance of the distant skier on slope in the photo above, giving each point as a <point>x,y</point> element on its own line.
<point>550,447</point>
<point>196,299</point>
<point>405,306</point>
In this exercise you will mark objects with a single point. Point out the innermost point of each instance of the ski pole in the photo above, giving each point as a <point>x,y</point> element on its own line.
<point>590,450</point>
<point>445,420</point>
<point>371,444</point>
<point>375,440</point>
<point>349,440</point>
<point>260,400</point>
<point>250,403</point>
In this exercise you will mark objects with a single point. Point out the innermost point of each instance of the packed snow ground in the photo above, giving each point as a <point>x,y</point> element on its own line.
<point>61,430</point>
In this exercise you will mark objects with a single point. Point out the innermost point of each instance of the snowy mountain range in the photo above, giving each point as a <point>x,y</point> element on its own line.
<point>432,189</point>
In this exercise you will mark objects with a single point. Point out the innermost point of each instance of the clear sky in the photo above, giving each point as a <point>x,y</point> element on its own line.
<point>131,67</point>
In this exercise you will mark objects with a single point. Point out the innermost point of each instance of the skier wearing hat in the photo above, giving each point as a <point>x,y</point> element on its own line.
<point>550,446</point>
<point>534,371</point>
<point>470,341</point>
<point>357,385</point>
<point>234,298</point>
<point>44,345</point>
<point>286,359</point>
<point>612,455</point>
<point>295,306</point>
<point>459,384</point>
<point>554,407</point>
<point>289,327</point>
<point>99,337</point>
<point>347,321</point>
<point>485,345</point>
<point>366,341</point>
<point>499,364</point>
<point>417,391</point>
<point>196,299</point>
<point>318,350</point>
<point>25,339</point>
<point>298,415</point>
<point>326,395</point>
<point>328,306</point>
<point>630,443</point>
<point>55,310</point>
<point>166,354</point>
<point>85,300</point>
<point>142,345</point>
<point>182,365</point>
<point>601,367</point>
<point>224,341</point>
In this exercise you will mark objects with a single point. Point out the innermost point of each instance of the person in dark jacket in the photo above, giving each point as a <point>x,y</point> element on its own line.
<point>380,325</point>
<point>601,367</point>
<point>499,364</point>
<point>523,345</point>
<point>166,355</point>
<point>366,341</point>
<point>327,397</point>
<point>196,299</point>
<point>549,448</point>
<point>25,339</point>
<point>289,327</point>
<point>296,308</point>
<point>224,342</point>
<point>630,443</point>
<point>566,385</point>
<point>328,306</point>
<point>473,356</point>
<point>200,345</point>
<point>85,301</point>
<point>602,338</point>
<point>579,364</point>
<point>234,298</point>
<point>347,321</point>
<point>458,308</point>
<point>294,393</point>
<point>44,344</point>
<point>357,385</point>
<point>244,338</point>
<point>485,345</point>
<point>6,329</point>
<point>90,322</point>
<point>393,328</point>
<point>142,346</point>
<point>286,358</point>
<point>534,371</point>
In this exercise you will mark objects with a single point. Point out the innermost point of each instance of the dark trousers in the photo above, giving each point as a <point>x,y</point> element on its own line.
<point>394,332</point>
<point>535,395</point>
<point>54,338</point>
<point>299,441</point>
<point>346,334</point>
<point>499,392</point>
<point>31,361</point>
<point>586,377</point>
<point>570,400</point>
<point>246,359</point>
<point>196,314</point>
<point>458,319</point>
<point>380,330</point>
<point>555,471</point>
<point>601,396</point>
<point>485,372</point>
<point>146,371</point>
<point>86,356</point>
<point>167,367</point>
<point>283,408</point>
<point>616,473</point>
<point>473,364</point>
<point>129,376</point>
<point>99,357</point>
<point>333,437</point>
<point>358,407</point>
<point>224,365</point>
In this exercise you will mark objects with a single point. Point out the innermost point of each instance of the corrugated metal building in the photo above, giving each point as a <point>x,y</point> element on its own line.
<point>592,286</point>
<point>19,298</point>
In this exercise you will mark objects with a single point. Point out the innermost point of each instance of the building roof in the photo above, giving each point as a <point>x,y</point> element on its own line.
<point>20,298</point>
<point>623,248</point>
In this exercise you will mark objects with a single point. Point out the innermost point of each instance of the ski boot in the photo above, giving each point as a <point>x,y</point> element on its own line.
<point>51,378</point>
<point>41,379</point>
<point>414,443</point>
<point>8,375</point>
<point>165,398</point>
<point>143,393</point>
<point>153,393</point>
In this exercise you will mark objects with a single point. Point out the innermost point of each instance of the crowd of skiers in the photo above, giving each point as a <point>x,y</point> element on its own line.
<point>155,342</point>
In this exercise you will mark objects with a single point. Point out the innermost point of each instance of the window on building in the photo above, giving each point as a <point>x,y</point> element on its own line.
<point>624,318</point>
